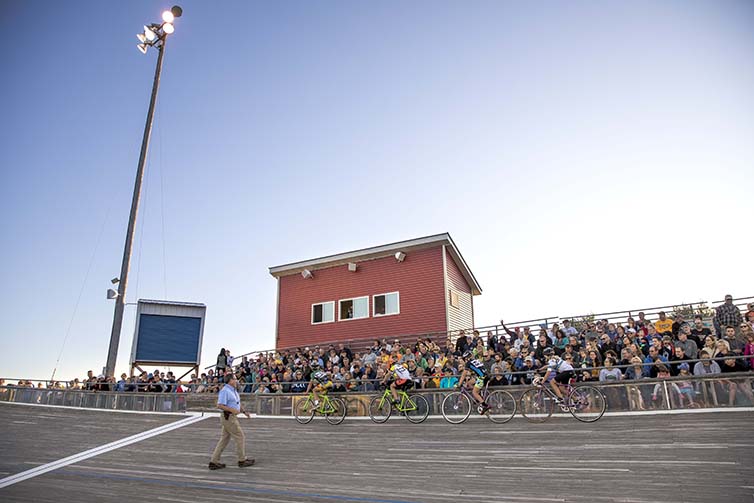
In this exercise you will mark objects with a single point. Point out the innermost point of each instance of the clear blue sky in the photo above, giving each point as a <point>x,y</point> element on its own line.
<point>585,156</point>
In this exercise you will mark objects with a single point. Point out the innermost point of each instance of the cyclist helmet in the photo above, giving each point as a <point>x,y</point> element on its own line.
<point>467,354</point>
<point>548,352</point>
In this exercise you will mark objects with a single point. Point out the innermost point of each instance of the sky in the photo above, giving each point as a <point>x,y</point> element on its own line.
<point>584,156</point>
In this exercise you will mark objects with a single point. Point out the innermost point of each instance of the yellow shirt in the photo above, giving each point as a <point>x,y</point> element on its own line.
<point>664,326</point>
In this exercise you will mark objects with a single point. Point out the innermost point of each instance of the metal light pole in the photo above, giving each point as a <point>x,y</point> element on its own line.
<point>155,35</point>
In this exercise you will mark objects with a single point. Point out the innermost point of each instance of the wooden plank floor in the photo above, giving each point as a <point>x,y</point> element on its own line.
<point>673,458</point>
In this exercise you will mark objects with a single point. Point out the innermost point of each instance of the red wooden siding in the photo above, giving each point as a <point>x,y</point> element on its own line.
<point>419,279</point>
<point>462,316</point>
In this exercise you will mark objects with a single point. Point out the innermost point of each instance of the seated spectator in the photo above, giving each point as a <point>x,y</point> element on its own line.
<point>664,325</point>
<point>690,348</point>
<point>676,360</point>
<point>749,348</point>
<point>610,373</point>
<point>658,393</point>
<point>686,391</point>
<point>707,365</point>
<point>497,378</point>
<point>699,332</point>
<point>449,381</point>
<point>732,365</point>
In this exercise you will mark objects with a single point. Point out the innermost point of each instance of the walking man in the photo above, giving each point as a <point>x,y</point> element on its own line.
<point>229,403</point>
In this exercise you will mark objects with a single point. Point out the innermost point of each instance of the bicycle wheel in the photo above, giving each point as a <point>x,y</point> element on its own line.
<point>304,411</point>
<point>380,409</point>
<point>536,406</point>
<point>587,403</point>
<point>339,414</point>
<point>419,408</point>
<point>456,407</point>
<point>502,406</point>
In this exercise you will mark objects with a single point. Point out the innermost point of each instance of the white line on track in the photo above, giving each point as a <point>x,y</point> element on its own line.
<point>39,470</point>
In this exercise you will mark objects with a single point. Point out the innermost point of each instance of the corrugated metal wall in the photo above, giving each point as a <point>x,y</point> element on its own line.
<point>462,316</point>
<point>419,279</point>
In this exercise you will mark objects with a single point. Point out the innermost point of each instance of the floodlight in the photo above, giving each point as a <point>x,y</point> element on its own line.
<point>176,10</point>
<point>151,35</point>
<point>168,28</point>
<point>168,16</point>
<point>115,281</point>
<point>142,48</point>
<point>111,294</point>
<point>306,274</point>
<point>400,256</point>
<point>141,38</point>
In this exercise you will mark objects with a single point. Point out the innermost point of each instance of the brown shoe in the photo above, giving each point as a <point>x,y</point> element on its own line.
<point>216,466</point>
<point>246,462</point>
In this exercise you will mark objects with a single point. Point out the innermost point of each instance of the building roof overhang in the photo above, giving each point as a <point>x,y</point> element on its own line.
<point>381,252</point>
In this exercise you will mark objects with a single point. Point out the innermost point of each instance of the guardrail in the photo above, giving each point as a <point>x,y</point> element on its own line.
<point>710,391</point>
<point>143,402</point>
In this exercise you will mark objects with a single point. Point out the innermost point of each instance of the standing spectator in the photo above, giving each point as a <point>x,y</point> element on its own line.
<point>726,314</point>
<point>222,362</point>
<point>749,316</point>
<point>664,325</point>
<point>462,343</point>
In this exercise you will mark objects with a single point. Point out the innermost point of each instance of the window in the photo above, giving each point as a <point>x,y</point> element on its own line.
<point>386,304</point>
<point>323,312</point>
<point>453,298</point>
<point>352,309</point>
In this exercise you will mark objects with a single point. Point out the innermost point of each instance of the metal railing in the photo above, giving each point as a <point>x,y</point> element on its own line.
<point>143,402</point>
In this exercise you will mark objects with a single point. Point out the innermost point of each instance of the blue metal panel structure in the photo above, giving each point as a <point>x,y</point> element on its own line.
<point>172,339</point>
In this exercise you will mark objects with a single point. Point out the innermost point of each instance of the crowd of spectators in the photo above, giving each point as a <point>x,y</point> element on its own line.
<point>600,351</point>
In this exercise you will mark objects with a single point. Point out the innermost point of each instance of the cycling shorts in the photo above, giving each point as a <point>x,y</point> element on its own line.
<point>323,387</point>
<point>404,384</point>
<point>563,377</point>
<point>481,381</point>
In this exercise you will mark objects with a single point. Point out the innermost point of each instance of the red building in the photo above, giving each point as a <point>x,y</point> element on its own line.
<point>418,286</point>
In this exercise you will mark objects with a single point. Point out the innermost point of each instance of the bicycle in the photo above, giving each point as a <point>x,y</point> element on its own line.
<point>585,403</point>
<point>334,409</point>
<point>414,407</point>
<point>456,406</point>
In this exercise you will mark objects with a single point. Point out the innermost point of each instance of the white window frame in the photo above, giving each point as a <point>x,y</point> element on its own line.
<point>374,301</point>
<point>340,301</point>
<point>311,318</point>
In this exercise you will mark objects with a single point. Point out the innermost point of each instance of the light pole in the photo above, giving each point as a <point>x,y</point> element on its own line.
<point>155,35</point>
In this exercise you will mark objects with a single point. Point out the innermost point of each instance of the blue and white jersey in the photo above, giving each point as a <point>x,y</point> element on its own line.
<point>478,367</point>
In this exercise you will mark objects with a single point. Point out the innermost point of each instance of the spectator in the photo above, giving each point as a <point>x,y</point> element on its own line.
<point>677,323</point>
<point>658,393</point>
<point>568,329</point>
<point>449,381</point>
<point>734,365</point>
<point>222,362</point>
<point>726,314</point>
<point>610,373</point>
<point>690,348</point>
<point>735,344</point>
<point>663,325</point>
<point>498,379</point>
<point>707,365</point>
<point>699,332</point>
<point>677,359</point>
<point>749,348</point>
<point>685,387</point>
<point>749,316</point>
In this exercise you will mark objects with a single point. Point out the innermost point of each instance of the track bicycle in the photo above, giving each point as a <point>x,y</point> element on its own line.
<point>414,407</point>
<point>334,409</point>
<point>456,406</point>
<point>585,403</point>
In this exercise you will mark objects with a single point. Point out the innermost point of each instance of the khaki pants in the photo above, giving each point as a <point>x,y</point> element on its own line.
<point>230,428</point>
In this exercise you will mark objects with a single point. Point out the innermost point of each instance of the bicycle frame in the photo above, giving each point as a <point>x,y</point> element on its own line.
<point>325,406</point>
<point>386,395</point>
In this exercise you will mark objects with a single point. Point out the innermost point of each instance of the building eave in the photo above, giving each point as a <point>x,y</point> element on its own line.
<point>380,252</point>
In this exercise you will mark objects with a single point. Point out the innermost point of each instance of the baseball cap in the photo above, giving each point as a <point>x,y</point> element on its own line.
<point>528,358</point>
<point>683,366</point>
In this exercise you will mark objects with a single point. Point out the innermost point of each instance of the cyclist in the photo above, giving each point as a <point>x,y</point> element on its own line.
<point>399,377</point>
<point>320,381</point>
<point>476,368</point>
<point>560,370</point>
